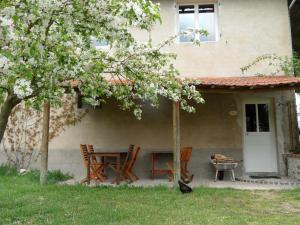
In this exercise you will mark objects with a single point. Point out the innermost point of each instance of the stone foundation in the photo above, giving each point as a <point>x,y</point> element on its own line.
<point>270,181</point>
<point>293,162</point>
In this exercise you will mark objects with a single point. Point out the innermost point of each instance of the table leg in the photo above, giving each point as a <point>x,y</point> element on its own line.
<point>88,175</point>
<point>216,177</point>
<point>152,165</point>
<point>118,170</point>
<point>102,161</point>
<point>233,177</point>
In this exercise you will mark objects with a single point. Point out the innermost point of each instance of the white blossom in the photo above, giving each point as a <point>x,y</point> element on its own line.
<point>6,22</point>
<point>22,88</point>
<point>5,63</point>
<point>138,113</point>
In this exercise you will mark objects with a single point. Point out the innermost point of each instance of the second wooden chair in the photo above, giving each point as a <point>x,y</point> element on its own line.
<point>126,172</point>
<point>185,155</point>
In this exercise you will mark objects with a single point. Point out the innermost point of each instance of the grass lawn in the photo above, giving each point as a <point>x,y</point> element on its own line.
<point>23,201</point>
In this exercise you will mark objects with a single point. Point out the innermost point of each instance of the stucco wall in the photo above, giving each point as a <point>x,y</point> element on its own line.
<point>248,28</point>
<point>111,127</point>
<point>211,129</point>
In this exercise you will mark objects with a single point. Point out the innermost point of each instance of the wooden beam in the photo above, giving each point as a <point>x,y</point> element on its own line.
<point>292,4</point>
<point>176,142</point>
<point>45,143</point>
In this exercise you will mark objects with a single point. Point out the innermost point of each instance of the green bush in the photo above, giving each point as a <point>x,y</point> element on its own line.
<point>54,176</point>
<point>7,170</point>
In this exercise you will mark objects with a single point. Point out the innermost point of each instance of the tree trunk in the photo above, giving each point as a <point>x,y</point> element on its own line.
<point>9,103</point>
<point>176,142</point>
<point>45,143</point>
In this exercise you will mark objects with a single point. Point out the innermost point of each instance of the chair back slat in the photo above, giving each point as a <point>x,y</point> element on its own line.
<point>84,153</point>
<point>128,155</point>
<point>133,158</point>
<point>91,150</point>
<point>185,154</point>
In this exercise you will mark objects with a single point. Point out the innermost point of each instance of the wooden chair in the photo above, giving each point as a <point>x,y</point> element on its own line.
<point>125,164</point>
<point>95,161</point>
<point>127,172</point>
<point>185,155</point>
<point>95,167</point>
<point>128,156</point>
<point>91,150</point>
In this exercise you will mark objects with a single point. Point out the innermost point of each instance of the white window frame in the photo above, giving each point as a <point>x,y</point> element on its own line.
<point>196,19</point>
<point>257,131</point>
<point>103,47</point>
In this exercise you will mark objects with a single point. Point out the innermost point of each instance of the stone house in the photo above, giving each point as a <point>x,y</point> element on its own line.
<point>247,117</point>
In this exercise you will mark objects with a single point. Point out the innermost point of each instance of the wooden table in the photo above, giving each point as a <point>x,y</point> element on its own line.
<point>116,155</point>
<point>154,157</point>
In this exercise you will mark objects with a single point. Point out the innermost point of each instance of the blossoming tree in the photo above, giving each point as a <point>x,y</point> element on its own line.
<point>48,45</point>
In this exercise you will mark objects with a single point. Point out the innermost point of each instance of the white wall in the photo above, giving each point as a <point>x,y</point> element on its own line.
<point>248,28</point>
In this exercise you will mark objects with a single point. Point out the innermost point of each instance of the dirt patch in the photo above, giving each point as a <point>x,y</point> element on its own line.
<point>290,208</point>
<point>268,195</point>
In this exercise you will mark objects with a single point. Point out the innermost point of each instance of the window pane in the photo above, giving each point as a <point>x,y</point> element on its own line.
<point>207,22</point>
<point>263,117</point>
<point>186,20</point>
<point>251,121</point>
<point>100,43</point>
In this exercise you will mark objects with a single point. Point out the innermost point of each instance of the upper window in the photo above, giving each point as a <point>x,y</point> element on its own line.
<point>198,17</point>
<point>99,43</point>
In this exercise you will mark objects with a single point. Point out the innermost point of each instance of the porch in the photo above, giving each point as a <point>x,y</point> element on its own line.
<point>218,126</point>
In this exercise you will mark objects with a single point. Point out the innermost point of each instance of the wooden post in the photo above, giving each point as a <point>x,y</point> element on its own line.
<point>88,169</point>
<point>176,142</point>
<point>45,143</point>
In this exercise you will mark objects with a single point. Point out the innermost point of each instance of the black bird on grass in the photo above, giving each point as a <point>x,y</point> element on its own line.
<point>184,188</point>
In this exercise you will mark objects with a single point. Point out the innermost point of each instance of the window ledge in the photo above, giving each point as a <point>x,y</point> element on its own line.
<point>201,43</point>
<point>104,47</point>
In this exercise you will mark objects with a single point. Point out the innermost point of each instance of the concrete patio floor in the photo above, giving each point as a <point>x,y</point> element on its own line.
<point>200,183</point>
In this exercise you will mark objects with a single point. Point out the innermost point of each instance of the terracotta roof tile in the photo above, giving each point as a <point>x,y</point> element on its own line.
<point>248,82</point>
<point>234,82</point>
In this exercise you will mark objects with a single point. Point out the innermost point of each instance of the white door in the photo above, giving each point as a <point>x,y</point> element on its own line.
<point>260,154</point>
